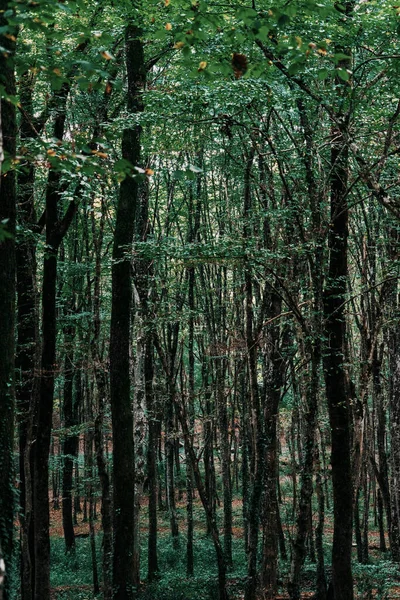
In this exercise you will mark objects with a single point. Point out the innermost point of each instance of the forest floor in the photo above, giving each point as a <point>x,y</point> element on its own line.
<point>72,577</point>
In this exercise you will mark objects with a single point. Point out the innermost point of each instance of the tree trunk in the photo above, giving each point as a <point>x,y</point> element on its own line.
<point>273,378</point>
<point>121,409</point>
<point>169,457</point>
<point>334,368</point>
<point>8,133</point>
<point>70,445</point>
<point>55,231</point>
<point>152,568</point>
<point>205,500</point>
<point>28,343</point>
<point>106,517</point>
<point>306,478</point>
<point>394,407</point>
<point>101,384</point>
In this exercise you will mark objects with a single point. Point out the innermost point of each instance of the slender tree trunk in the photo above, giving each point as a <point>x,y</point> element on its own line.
<point>70,445</point>
<point>139,438</point>
<point>307,470</point>
<point>106,513</point>
<point>169,452</point>
<point>209,467</point>
<point>226,466</point>
<point>152,568</point>
<point>393,492</point>
<point>92,507</point>
<point>319,530</point>
<point>101,384</point>
<point>394,407</point>
<point>55,231</point>
<point>205,500</point>
<point>381,433</point>
<point>191,392</point>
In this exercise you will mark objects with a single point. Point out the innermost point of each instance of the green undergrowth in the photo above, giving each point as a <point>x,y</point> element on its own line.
<point>73,569</point>
<point>72,575</point>
<point>375,581</point>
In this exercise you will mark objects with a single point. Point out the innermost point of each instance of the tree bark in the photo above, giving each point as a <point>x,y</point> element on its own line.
<point>334,368</point>
<point>55,231</point>
<point>121,408</point>
<point>70,444</point>
<point>152,568</point>
<point>8,133</point>
<point>27,354</point>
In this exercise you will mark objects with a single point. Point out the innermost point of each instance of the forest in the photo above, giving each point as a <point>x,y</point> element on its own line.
<point>199,300</point>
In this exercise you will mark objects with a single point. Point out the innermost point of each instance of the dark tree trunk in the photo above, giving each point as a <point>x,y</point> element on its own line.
<point>106,517</point>
<point>394,407</point>
<point>144,404</point>
<point>306,479</point>
<point>92,510</point>
<point>70,445</point>
<point>273,378</point>
<point>28,342</point>
<point>191,392</point>
<point>334,368</point>
<point>381,435</point>
<point>393,492</point>
<point>209,467</point>
<point>319,530</point>
<point>55,231</point>
<point>169,457</point>
<point>226,462</point>
<point>121,409</point>
<point>101,384</point>
<point>8,133</point>
<point>256,441</point>
<point>44,424</point>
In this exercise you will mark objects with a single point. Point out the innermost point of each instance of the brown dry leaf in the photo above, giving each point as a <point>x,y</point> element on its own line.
<point>100,154</point>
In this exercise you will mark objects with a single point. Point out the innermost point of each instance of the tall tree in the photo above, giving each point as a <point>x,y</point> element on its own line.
<point>8,133</point>
<point>121,402</point>
<point>56,229</point>
<point>337,388</point>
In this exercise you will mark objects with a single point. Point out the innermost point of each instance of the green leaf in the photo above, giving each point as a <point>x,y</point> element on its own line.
<point>343,74</point>
<point>340,56</point>
<point>323,74</point>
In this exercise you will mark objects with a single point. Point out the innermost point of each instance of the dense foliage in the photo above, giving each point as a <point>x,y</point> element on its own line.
<point>199,334</point>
